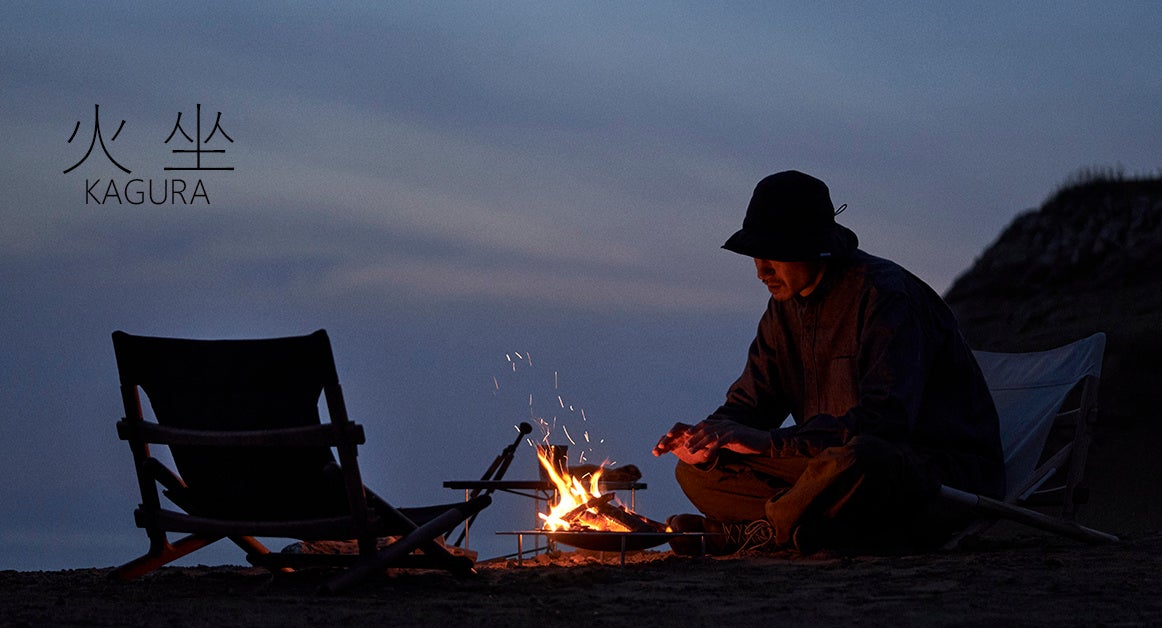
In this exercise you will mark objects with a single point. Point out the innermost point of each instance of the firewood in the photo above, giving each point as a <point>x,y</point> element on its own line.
<point>596,502</point>
<point>618,514</point>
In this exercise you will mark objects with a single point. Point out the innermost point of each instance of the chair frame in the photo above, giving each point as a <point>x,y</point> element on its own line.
<point>1071,458</point>
<point>368,517</point>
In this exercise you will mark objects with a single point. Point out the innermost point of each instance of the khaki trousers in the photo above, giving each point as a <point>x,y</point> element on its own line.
<point>867,491</point>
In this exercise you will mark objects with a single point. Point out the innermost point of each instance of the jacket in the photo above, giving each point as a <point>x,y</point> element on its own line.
<point>872,350</point>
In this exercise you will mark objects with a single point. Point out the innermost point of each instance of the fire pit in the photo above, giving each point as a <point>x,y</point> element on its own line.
<point>579,504</point>
<point>583,517</point>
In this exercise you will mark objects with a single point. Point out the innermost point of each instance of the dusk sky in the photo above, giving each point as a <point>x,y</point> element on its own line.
<point>441,185</point>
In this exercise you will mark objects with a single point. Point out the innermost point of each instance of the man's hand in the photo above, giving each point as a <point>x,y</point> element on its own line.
<point>675,441</point>
<point>700,443</point>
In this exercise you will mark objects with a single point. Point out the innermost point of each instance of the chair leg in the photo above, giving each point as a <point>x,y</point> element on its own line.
<point>168,553</point>
<point>419,537</point>
<point>253,548</point>
<point>998,509</point>
<point>430,548</point>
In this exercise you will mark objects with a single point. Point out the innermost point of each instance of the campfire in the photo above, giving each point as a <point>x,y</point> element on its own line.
<point>580,506</point>
<point>580,513</point>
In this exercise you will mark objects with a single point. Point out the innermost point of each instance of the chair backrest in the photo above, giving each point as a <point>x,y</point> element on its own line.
<point>1029,390</point>
<point>232,385</point>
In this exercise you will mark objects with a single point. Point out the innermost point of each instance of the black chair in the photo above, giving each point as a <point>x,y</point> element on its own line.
<point>241,420</point>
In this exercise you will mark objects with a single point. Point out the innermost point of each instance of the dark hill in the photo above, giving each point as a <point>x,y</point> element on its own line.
<point>1090,259</point>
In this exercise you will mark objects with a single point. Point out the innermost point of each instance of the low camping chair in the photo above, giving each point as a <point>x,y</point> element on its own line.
<point>1036,393</point>
<point>252,458</point>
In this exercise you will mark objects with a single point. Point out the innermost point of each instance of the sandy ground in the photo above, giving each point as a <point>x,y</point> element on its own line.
<point>1029,580</point>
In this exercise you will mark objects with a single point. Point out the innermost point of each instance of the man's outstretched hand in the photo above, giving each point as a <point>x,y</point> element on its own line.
<point>694,444</point>
<point>675,441</point>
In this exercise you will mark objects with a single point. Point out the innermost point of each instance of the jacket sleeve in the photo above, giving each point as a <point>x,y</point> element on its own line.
<point>756,399</point>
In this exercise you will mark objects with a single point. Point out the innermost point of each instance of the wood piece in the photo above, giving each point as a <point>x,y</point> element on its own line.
<point>618,514</point>
<point>596,502</point>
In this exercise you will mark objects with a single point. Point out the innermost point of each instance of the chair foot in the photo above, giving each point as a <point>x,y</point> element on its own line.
<point>168,553</point>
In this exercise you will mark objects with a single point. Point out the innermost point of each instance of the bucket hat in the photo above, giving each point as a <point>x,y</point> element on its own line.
<point>791,218</point>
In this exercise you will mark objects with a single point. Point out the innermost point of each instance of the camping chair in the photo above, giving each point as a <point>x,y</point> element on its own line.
<point>1034,393</point>
<point>252,458</point>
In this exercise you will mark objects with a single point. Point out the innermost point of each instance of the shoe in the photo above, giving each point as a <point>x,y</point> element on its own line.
<point>721,538</point>
<point>747,535</point>
<point>686,545</point>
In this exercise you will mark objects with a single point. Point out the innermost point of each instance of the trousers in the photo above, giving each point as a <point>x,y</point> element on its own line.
<point>867,491</point>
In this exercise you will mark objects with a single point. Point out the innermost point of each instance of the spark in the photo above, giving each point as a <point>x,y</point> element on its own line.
<point>583,415</point>
<point>513,367</point>
<point>495,383</point>
<point>570,407</point>
<point>587,436</point>
<point>566,429</point>
<point>554,380</point>
<point>560,401</point>
<point>517,354</point>
<point>581,458</point>
<point>508,357</point>
<point>545,430</point>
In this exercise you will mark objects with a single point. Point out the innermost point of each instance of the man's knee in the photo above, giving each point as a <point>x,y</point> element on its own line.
<point>691,477</point>
<point>725,492</point>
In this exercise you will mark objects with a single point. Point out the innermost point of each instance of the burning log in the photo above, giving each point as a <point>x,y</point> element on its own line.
<point>630,521</point>
<point>604,507</point>
<point>595,503</point>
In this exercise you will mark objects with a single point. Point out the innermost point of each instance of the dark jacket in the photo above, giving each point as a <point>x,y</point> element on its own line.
<point>872,350</point>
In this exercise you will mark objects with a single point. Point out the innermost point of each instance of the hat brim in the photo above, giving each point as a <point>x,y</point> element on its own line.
<point>836,242</point>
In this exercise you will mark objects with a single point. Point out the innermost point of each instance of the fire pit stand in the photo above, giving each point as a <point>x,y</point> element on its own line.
<point>602,541</point>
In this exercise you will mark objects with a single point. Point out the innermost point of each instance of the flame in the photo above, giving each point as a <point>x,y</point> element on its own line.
<point>572,494</point>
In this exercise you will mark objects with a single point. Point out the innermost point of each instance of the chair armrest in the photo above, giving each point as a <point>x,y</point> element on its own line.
<point>325,434</point>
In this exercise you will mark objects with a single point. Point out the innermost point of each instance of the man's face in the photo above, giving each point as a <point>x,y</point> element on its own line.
<point>786,279</point>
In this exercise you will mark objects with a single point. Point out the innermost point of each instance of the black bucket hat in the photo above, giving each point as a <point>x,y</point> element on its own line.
<point>791,219</point>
